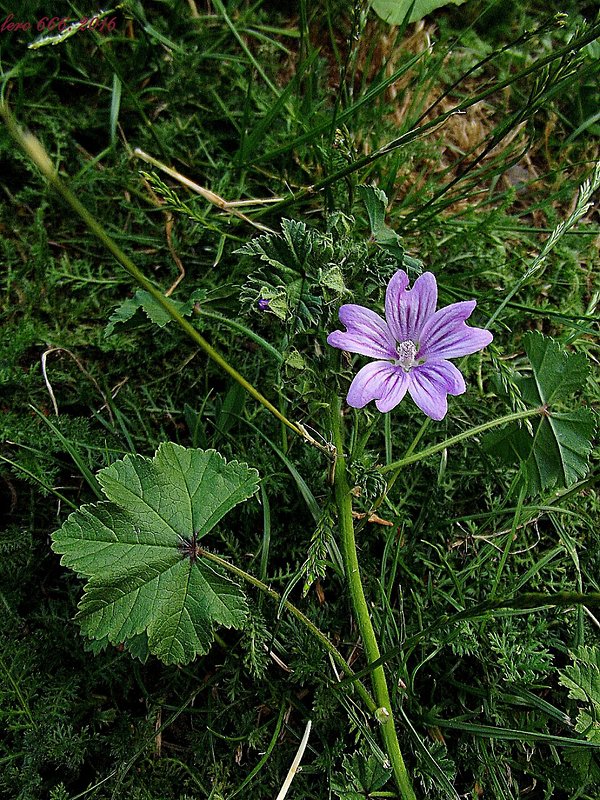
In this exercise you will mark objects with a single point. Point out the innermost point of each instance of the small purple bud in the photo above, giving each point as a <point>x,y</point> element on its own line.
<point>263,304</point>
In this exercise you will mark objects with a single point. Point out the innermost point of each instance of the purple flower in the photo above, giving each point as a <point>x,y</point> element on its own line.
<point>263,303</point>
<point>412,344</point>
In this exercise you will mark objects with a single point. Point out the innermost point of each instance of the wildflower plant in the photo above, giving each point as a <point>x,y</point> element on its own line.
<point>156,546</point>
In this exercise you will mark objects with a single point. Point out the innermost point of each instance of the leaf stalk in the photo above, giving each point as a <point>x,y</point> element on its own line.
<point>395,466</point>
<point>318,634</point>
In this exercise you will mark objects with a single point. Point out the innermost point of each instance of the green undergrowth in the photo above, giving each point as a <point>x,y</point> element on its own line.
<point>479,124</point>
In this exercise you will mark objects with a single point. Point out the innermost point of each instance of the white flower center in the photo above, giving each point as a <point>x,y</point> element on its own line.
<point>406,355</point>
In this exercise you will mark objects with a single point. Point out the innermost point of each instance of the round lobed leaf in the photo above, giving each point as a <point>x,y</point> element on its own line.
<point>140,553</point>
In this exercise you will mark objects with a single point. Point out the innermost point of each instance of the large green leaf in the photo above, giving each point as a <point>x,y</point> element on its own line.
<point>395,11</point>
<point>288,253</point>
<point>554,452</point>
<point>139,551</point>
<point>299,269</point>
<point>556,374</point>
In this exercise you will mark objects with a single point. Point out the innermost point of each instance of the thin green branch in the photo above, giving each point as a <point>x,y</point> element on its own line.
<point>318,634</point>
<point>35,150</point>
<point>437,448</point>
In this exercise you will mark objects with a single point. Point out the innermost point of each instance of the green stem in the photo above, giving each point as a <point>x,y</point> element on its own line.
<point>410,458</point>
<point>34,149</point>
<point>318,634</point>
<point>358,446</point>
<point>436,448</point>
<point>359,604</point>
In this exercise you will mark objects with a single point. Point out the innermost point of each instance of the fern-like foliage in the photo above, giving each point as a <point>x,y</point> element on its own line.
<point>298,274</point>
<point>582,679</point>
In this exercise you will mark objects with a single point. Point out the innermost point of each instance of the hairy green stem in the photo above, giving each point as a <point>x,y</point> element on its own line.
<point>436,448</point>
<point>318,634</point>
<point>384,712</point>
<point>396,467</point>
<point>34,149</point>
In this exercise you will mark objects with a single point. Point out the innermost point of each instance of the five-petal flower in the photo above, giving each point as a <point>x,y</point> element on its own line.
<point>412,344</point>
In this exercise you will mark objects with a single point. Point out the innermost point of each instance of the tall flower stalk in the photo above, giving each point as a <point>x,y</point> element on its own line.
<point>384,713</point>
<point>412,346</point>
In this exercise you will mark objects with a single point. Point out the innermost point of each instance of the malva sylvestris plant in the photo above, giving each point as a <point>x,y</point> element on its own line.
<point>412,346</point>
<point>152,585</point>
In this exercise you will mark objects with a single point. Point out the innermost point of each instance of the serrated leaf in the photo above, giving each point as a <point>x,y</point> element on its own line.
<point>560,450</point>
<point>291,282</point>
<point>585,765</point>
<point>376,202</point>
<point>555,450</point>
<point>144,301</point>
<point>363,776</point>
<point>288,252</point>
<point>333,278</point>
<point>556,374</point>
<point>582,679</point>
<point>177,605</point>
<point>137,646</point>
<point>139,551</point>
<point>394,11</point>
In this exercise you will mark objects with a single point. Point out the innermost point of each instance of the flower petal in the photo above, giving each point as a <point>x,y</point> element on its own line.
<point>367,334</point>
<point>430,383</point>
<point>407,310</point>
<point>396,389</point>
<point>443,373</point>
<point>372,382</point>
<point>445,334</point>
<point>429,394</point>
